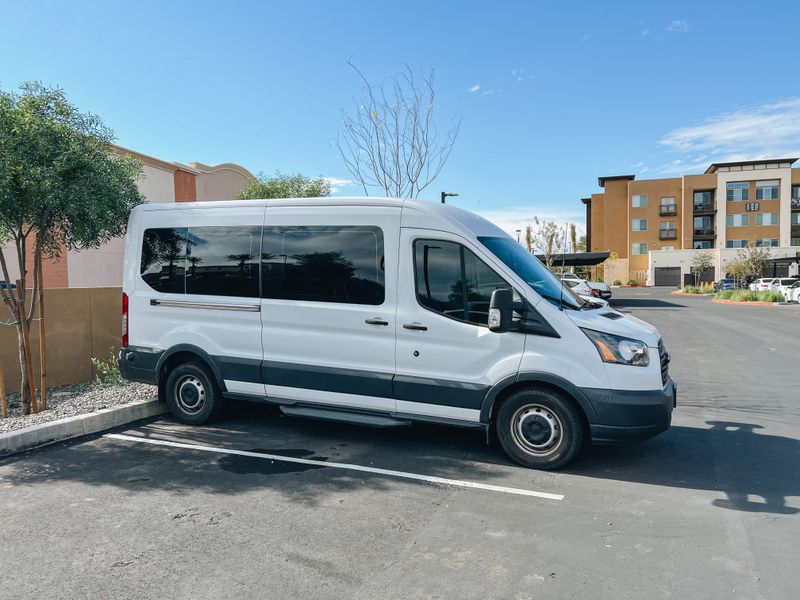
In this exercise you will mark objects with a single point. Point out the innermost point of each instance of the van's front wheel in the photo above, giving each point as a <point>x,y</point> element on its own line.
<point>192,396</point>
<point>538,428</point>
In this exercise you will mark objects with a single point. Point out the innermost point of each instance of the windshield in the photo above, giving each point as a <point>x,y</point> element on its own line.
<point>532,271</point>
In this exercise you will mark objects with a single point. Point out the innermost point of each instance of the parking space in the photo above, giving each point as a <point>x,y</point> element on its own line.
<point>709,509</point>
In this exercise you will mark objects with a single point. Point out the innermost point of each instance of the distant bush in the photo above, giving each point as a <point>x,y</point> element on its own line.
<point>633,282</point>
<point>617,282</point>
<point>725,295</point>
<point>691,289</point>
<point>770,297</point>
<point>744,296</point>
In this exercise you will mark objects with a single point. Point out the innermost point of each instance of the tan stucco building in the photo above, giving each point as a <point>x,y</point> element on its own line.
<point>160,181</point>
<point>656,225</point>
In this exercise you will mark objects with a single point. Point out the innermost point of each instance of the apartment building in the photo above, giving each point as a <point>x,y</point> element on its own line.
<point>160,181</point>
<point>655,226</point>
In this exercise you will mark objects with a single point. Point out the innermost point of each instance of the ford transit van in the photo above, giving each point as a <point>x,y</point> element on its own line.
<point>382,312</point>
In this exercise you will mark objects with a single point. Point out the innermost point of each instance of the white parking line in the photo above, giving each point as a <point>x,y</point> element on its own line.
<point>334,465</point>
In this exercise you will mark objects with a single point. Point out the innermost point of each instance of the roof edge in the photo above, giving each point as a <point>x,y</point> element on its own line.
<point>601,181</point>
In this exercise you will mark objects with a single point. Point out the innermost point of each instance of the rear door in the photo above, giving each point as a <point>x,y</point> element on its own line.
<point>328,304</point>
<point>447,359</point>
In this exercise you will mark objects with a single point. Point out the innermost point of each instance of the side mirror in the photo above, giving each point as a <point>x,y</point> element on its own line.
<point>501,310</point>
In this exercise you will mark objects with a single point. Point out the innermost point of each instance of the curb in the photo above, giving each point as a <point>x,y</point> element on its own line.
<point>79,425</point>
<point>720,301</point>
<point>679,293</point>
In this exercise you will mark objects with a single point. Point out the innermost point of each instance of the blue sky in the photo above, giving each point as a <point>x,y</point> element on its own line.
<point>550,95</point>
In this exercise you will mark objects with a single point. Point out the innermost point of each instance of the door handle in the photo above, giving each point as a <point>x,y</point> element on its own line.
<point>376,321</point>
<point>415,326</point>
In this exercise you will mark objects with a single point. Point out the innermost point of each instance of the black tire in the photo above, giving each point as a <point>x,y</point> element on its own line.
<point>193,396</point>
<point>540,429</point>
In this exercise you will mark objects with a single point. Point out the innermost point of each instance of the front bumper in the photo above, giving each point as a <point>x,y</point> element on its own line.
<point>630,415</point>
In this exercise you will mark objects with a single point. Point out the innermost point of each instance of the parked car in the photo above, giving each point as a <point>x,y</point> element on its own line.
<point>580,287</point>
<point>380,312</point>
<point>792,293</point>
<point>782,284</point>
<point>600,289</point>
<point>725,284</point>
<point>762,285</point>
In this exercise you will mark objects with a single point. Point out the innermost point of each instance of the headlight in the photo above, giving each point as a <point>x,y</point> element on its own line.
<point>619,350</point>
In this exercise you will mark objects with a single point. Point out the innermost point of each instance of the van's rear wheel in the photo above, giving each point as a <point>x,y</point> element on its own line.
<point>192,395</point>
<point>538,428</point>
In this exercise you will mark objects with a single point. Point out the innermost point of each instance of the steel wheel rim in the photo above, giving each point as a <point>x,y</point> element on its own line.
<point>537,430</point>
<point>190,394</point>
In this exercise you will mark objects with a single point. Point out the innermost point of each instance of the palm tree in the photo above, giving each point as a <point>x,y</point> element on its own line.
<point>242,259</point>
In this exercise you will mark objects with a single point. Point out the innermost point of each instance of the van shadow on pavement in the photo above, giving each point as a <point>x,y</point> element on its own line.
<point>756,472</point>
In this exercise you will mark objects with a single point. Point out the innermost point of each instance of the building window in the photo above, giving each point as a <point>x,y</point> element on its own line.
<point>638,249</point>
<point>668,205</point>
<point>738,190</point>
<point>795,241</point>
<point>639,201</point>
<point>736,244</point>
<point>667,225</point>
<point>796,196</point>
<point>767,218</point>
<point>766,243</point>
<point>796,218</point>
<point>741,220</point>
<point>752,206</point>
<point>701,198</point>
<point>702,222</point>
<point>702,245</point>
<point>668,247</point>
<point>323,264</point>
<point>639,225</point>
<point>767,190</point>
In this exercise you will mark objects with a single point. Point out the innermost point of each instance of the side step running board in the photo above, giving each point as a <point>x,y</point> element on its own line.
<point>343,416</point>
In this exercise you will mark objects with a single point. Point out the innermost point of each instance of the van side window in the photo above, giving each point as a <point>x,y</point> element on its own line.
<point>451,280</point>
<point>323,264</point>
<point>223,261</point>
<point>163,261</point>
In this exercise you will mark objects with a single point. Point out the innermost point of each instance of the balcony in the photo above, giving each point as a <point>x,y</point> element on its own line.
<point>795,203</point>
<point>705,207</point>
<point>668,211</point>
<point>667,234</point>
<point>704,233</point>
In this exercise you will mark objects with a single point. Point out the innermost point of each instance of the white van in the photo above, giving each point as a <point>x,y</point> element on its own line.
<point>382,312</point>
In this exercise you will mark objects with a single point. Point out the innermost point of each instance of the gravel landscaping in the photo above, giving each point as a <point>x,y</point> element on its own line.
<point>76,399</point>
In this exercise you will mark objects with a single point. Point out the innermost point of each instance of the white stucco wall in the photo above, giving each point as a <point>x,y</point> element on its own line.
<point>721,256</point>
<point>219,184</point>
<point>157,185</point>
<point>98,267</point>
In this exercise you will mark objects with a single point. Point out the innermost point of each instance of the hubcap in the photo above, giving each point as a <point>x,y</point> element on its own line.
<point>537,430</point>
<point>190,394</point>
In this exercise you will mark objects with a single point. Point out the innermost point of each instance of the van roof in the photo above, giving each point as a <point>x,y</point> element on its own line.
<point>416,213</point>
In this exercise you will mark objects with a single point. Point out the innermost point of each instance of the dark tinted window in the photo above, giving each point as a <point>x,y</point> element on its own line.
<point>323,264</point>
<point>164,259</point>
<point>223,261</point>
<point>453,281</point>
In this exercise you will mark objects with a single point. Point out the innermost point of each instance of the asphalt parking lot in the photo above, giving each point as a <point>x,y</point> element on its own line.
<point>710,509</point>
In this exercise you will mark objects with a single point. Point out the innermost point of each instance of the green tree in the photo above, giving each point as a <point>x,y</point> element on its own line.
<point>61,186</point>
<point>701,262</point>
<point>548,239</point>
<point>284,186</point>
<point>756,258</point>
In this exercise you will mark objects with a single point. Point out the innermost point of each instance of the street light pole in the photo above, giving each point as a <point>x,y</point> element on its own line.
<point>518,232</point>
<point>446,194</point>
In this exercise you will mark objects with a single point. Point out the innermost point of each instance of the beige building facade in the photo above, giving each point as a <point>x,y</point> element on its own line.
<point>160,181</point>
<point>655,226</point>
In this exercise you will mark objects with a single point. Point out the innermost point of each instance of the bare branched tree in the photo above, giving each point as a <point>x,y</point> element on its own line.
<point>391,141</point>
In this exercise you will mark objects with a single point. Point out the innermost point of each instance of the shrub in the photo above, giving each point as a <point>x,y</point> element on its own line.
<point>691,289</point>
<point>743,296</point>
<point>633,282</point>
<point>617,282</point>
<point>107,370</point>
<point>724,295</point>
<point>768,296</point>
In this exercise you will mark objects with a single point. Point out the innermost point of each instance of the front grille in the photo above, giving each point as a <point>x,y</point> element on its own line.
<point>663,357</point>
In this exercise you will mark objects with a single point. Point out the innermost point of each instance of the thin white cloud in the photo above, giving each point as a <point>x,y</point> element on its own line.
<point>337,183</point>
<point>679,26</point>
<point>645,32</point>
<point>769,130</point>
<point>517,217</point>
<point>488,92</point>
<point>475,88</point>
<point>586,37</point>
